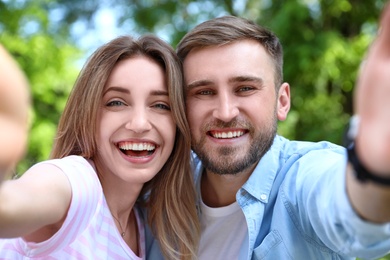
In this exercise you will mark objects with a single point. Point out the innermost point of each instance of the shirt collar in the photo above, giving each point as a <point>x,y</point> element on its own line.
<point>260,182</point>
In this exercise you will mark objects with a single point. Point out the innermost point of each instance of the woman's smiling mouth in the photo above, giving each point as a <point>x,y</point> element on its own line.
<point>137,149</point>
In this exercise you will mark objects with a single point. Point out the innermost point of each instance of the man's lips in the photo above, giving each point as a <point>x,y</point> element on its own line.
<point>226,134</point>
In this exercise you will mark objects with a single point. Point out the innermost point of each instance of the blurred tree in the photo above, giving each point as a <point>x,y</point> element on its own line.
<point>48,60</point>
<point>324,42</point>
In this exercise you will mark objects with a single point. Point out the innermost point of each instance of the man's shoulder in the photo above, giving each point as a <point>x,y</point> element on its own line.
<point>196,165</point>
<point>302,156</point>
<point>288,148</point>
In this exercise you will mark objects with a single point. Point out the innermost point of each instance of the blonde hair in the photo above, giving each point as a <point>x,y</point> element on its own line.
<point>170,195</point>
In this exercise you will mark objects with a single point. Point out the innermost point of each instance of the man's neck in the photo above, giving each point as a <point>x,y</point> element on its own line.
<point>220,190</point>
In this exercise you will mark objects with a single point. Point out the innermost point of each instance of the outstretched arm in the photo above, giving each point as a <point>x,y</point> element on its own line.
<point>372,104</point>
<point>35,205</point>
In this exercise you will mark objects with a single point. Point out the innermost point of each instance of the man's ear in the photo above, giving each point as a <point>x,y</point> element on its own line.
<point>283,105</point>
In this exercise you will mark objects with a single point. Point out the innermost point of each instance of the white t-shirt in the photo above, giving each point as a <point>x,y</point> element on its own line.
<point>224,233</point>
<point>89,231</point>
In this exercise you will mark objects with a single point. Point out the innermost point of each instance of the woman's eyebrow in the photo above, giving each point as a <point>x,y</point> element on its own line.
<point>159,93</point>
<point>117,89</point>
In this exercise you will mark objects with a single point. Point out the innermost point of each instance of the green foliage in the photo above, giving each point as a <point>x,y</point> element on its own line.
<point>49,65</point>
<point>387,257</point>
<point>324,43</point>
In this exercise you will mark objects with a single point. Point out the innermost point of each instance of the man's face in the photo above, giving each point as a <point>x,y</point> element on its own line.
<point>232,105</point>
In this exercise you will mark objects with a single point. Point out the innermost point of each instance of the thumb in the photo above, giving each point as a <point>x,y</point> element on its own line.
<point>383,40</point>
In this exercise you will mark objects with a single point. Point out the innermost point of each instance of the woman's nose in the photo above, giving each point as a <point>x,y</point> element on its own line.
<point>139,121</point>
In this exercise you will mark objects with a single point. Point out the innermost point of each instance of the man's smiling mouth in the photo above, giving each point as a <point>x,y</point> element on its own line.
<point>226,134</point>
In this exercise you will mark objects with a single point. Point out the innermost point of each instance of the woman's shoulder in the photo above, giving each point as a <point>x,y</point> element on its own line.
<point>72,164</point>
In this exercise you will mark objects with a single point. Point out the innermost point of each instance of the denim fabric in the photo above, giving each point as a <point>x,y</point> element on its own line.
<point>296,207</point>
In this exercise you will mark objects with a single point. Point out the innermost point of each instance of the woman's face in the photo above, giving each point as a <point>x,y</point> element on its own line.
<point>136,131</point>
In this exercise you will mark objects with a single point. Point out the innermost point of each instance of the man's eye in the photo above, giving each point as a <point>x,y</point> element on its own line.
<point>245,88</point>
<point>162,106</point>
<point>115,103</point>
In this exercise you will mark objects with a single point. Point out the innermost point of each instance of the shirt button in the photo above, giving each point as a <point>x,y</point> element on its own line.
<point>263,197</point>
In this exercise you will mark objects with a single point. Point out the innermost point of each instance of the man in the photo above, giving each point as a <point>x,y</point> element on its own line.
<point>263,196</point>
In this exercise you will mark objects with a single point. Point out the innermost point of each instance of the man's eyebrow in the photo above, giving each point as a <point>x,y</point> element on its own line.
<point>198,83</point>
<point>205,82</point>
<point>246,79</point>
<point>117,89</point>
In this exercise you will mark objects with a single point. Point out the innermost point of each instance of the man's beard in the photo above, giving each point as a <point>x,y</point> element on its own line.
<point>225,160</point>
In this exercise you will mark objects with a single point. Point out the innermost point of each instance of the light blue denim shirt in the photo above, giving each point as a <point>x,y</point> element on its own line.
<point>296,207</point>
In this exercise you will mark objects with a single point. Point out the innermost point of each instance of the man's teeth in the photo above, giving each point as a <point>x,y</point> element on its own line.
<point>230,134</point>
<point>137,147</point>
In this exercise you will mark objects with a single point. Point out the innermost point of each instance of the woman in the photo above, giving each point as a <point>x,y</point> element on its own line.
<point>122,137</point>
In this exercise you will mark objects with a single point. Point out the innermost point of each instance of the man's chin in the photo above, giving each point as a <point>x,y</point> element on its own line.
<point>223,164</point>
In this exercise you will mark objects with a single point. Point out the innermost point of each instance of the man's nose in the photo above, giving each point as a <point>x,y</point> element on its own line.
<point>226,107</point>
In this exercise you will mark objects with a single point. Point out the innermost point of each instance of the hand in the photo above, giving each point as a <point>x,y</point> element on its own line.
<point>372,103</point>
<point>14,105</point>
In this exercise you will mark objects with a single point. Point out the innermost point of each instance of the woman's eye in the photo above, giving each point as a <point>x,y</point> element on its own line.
<point>205,92</point>
<point>162,106</point>
<point>115,103</point>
